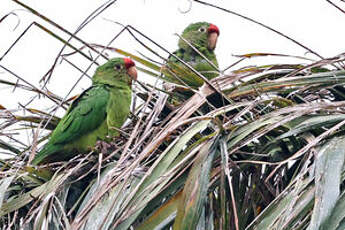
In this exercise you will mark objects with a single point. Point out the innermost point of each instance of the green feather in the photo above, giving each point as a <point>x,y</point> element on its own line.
<point>195,34</point>
<point>92,116</point>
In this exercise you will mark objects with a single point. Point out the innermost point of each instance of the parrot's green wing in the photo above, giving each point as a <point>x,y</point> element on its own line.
<point>85,116</point>
<point>176,72</point>
<point>87,112</point>
<point>198,62</point>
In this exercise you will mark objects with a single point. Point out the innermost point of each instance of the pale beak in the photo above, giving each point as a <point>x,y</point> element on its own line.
<point>132,72</point>
<point>212,41</point>
<point>213,33</point>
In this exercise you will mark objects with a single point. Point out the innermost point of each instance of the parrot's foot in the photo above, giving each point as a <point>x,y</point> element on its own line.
<point>102,146</point>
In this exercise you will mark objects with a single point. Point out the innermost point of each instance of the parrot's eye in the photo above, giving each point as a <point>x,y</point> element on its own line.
<point>202,29</point>
<point>117,67</point>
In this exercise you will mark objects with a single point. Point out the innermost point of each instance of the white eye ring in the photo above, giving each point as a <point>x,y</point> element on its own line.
<point>117,67</point>
<point>202,29</point>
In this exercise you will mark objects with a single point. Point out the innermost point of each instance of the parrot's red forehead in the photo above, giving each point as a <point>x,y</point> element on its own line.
<point>213,28</point>
<point>128,62</point>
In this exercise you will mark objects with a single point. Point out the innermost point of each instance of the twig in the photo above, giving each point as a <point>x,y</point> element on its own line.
<point>343,11</point>
<point>259,23</point>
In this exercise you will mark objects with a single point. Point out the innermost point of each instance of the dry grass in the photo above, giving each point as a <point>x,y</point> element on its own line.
<point>246,151</point>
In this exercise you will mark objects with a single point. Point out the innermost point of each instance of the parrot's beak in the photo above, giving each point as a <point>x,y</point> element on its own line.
<point>213,33</point>
<point>131,70</point>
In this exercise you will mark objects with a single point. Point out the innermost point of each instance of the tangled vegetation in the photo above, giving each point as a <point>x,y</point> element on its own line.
<point>259,147</point>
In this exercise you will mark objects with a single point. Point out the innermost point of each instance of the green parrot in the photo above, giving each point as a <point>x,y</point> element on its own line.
<point>95,115</point>
<point>203,36</point>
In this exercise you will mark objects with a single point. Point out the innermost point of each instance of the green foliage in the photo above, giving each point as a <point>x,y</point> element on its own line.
<point>260,147</point>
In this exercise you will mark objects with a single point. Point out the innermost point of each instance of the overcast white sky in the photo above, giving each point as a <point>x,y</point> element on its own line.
<point>314,23</point>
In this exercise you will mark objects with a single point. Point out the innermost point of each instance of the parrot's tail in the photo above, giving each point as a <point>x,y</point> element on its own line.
<point>44,155</point>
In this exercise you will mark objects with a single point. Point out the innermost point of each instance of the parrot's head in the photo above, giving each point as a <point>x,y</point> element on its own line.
<point>116,72</point>
<point>200,34</point>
